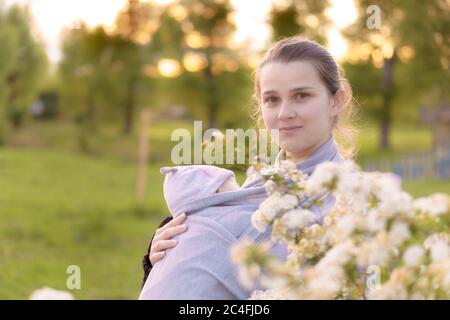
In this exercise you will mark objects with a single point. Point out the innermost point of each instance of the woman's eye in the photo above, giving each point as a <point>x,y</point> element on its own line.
<point>271,99</point>
<point>301,95</point>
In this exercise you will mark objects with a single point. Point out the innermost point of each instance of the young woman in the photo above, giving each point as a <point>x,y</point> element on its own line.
<point>299,90</point>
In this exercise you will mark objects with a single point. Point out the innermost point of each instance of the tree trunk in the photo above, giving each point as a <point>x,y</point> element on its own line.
<point>212,97</point>
<point>130,103</point>
<point>87,125</point>
<point>388,91</point>
<point>15,115</point>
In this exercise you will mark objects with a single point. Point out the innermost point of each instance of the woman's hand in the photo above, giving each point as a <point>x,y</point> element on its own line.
<point>163,238</point>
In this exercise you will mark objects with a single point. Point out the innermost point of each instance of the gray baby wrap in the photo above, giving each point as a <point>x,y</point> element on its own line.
<point>199,267</point>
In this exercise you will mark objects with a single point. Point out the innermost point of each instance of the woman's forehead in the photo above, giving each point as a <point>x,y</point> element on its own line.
<point>281,76</point>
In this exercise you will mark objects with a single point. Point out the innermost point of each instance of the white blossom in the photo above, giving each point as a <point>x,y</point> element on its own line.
<point>271,206</point>
<point>413,255</point>
<point>47,293</point>
<point>270,294</point>
<point>288,201</point>
<point>322,177</point>
<point>438,244</point>
<point>436,204</point>
<point>297,218</point>
<point>269,171</point>
<point>373,222</point>
<point>338,255</point>
<point>399,232</point>
<point>257,221</point>
<point>439,251</point>
<point>325,284</point>
<point>346,225</point>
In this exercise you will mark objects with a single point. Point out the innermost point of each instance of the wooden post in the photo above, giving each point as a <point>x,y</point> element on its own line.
<point>143,154</point>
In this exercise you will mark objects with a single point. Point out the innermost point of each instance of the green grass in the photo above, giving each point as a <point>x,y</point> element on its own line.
<point>59,209</point>
<point>426,187</point>
<point>404,139</point>
<point>108,141</point>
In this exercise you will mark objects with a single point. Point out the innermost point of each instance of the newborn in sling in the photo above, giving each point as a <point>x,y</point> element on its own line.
<point>219,213</point>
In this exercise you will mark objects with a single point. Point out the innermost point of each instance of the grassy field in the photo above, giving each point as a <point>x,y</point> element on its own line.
<point>59,208</point>
<point>404,139</point>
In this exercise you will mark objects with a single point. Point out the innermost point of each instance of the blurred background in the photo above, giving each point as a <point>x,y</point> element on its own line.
<point>91,91</point>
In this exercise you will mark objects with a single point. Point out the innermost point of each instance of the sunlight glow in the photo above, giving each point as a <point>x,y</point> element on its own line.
<point>336,43</point>
<point>342,12</point>
<point>193,62</point>
<point>250,17</point>
<point>51,16</point>
<point>169,68</point>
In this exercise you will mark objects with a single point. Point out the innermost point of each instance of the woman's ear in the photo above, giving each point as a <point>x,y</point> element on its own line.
<point>337,102</point>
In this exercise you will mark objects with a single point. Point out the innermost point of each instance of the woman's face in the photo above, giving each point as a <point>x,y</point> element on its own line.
<point>295,100</point>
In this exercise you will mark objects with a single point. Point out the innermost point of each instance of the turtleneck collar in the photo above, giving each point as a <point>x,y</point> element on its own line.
<point>328,151</point>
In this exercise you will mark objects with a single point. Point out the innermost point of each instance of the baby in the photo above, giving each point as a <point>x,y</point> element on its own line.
<point>186,184</point>
<point>219,211</point>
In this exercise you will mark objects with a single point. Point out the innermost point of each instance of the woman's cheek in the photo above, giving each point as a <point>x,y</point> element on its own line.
<point>312,121</point>
<point>269,118</point>
<point>309,113</point>
<point>316,110</point>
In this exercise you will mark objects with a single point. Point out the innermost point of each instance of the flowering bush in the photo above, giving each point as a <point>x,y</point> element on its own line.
<point>374,242</point>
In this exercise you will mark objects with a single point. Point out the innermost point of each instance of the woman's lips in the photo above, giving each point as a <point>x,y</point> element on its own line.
<point>290,129</point>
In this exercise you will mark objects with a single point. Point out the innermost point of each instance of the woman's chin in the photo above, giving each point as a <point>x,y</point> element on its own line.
<point>291,139</point>
<point>291,146</point>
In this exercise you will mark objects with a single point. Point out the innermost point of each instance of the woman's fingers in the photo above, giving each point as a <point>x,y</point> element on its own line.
<point>174,222</point>
<point>169,233</point>
<point>165,244</point>
<point>155,257</point>
<point>158,248</point>
<point>163,237</point>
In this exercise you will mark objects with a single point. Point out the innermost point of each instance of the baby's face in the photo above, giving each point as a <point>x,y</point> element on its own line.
<point>229,185</point>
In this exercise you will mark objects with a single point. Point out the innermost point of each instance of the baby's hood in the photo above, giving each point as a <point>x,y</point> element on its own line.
<point>184,185</point>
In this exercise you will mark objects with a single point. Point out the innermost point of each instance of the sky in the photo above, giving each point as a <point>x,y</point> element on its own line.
<point>51,16</point>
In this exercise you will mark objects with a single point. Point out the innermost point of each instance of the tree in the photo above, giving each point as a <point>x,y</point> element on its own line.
<point>213,76</point>
<point>24,64</point>
<point>116,72</point>
<point>135,25</point>
<point>86,87</point>
<point>101,79</point>
<point>307,18</point>
<point>103,71</point>
<point>209,38</point>
<point>412,33</point>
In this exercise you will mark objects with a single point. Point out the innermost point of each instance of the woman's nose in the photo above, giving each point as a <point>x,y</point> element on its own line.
<point>286,112</point>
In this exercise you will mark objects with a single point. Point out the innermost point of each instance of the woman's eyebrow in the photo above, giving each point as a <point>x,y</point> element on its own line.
<point>291,90</point>
<point>269,92</point>
<point>300,89</point>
